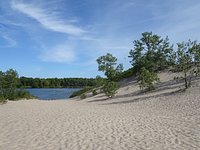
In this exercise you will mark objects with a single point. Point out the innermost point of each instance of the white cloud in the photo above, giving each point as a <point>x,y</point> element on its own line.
<point>59,54</point>
<point>9,41</point>
<point>48,19</point>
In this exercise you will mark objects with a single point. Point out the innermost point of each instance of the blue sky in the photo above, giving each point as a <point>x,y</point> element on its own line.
<point>63,38</point>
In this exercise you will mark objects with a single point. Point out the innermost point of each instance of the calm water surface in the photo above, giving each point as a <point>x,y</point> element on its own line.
<point>52,93</point>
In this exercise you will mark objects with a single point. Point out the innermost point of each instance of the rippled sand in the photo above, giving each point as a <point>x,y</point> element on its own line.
<point>160,120</point>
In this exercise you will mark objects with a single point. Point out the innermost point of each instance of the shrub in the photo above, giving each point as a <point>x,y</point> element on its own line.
<point>22,94</point>
<point>146,79</point>
<point>83,96</point>
<point>188,61</point>
<point>110,88</point>
<point>17,95</point>
<point>94,92</point>
<point>2,100</point>
<point>80,92</point>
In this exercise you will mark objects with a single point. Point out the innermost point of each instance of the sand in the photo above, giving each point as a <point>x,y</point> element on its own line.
<point>166,119</point>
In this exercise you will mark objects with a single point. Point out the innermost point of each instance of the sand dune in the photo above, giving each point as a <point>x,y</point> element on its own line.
<point>163,119</point>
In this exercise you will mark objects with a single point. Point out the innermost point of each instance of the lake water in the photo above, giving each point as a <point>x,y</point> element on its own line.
<point>52,93</point>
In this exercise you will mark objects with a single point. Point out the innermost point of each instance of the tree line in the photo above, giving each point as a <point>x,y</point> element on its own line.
<point>12,86</point>
<point>25,82</point>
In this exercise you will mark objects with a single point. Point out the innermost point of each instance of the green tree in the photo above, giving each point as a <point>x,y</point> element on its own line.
<point>8,86</point>
<point>107,64</point>
<point>150,54</point>
<point>11,80</point>
<point>8,83</point>
<point>188,60</point>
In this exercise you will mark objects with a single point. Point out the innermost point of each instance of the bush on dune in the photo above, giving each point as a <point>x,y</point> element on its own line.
<point>188,61</point>
<point>146,79</point>
<point>94,92</point>
<point>22,94</point>
<point>80,92</point>
<point>83,96</point>
<point>110,89</point>
<point>8,84</point>
<point>112,71</point>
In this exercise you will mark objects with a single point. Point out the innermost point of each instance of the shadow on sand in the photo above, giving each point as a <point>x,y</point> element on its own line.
<point>147,97</point>
<point>160,87</point>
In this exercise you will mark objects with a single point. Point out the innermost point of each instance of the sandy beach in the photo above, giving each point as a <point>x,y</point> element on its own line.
<point>166,119</point>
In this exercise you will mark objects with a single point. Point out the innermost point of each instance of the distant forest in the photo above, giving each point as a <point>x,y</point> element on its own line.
<point>25,82</point>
